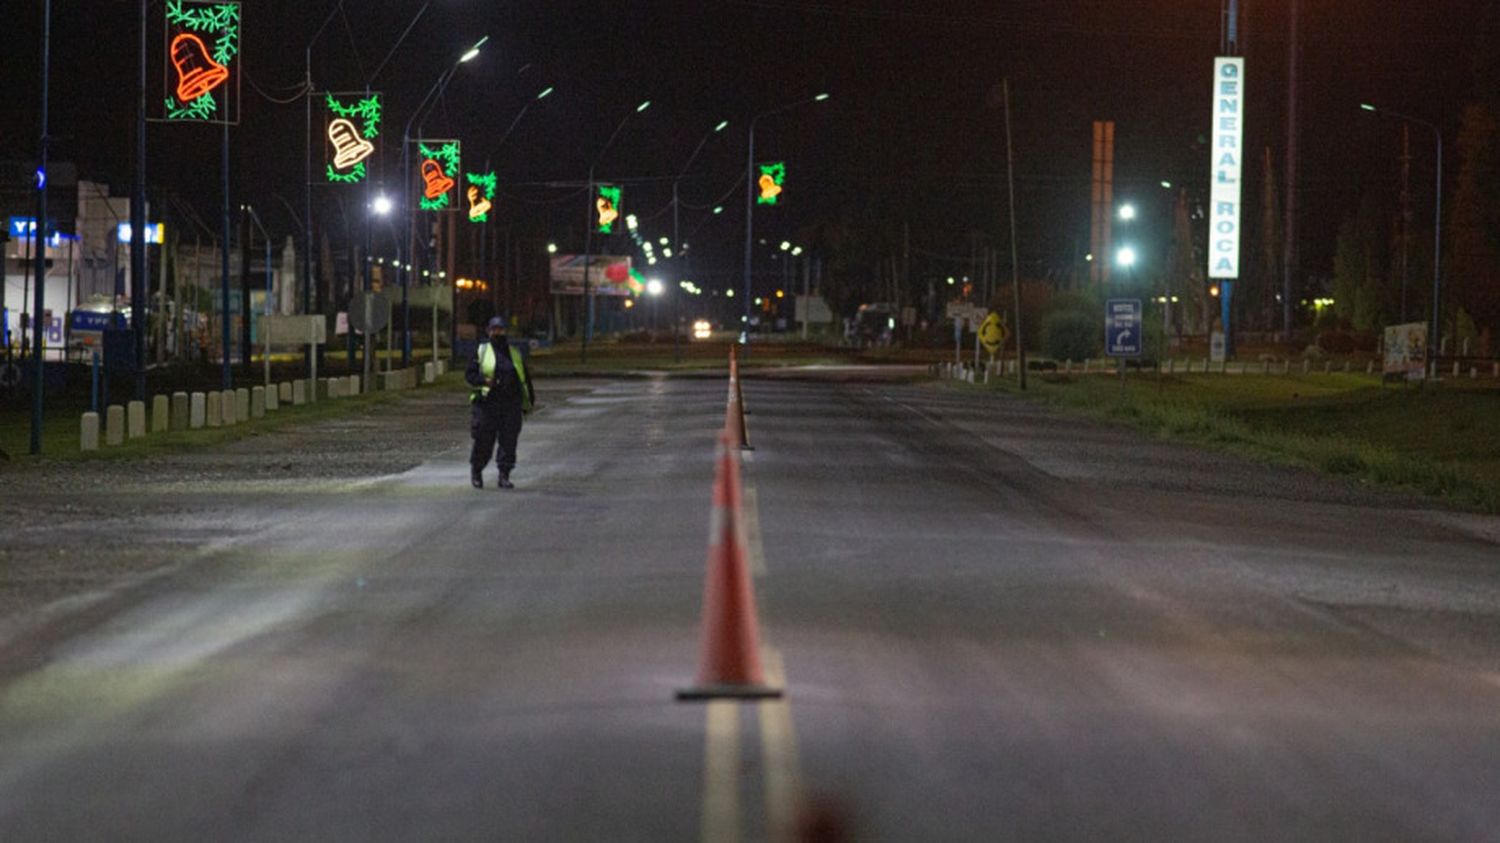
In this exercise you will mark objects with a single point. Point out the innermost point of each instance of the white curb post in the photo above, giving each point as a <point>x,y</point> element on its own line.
<point>114,425</point>
<point>136,421</point>
<point>228,405</point>
<point>179,418</point>
<point>160,414</point>
<point>88,432</point>
<point>299,392</point>
<point>242,404</point>
<point>273,400</point>
<point>215,413</point>
<point>284,392</point>
<point>199,412</point>
<point>257,402</point>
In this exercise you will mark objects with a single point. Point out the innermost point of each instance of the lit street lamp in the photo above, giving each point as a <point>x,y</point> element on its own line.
<point>1433,344</point>
<point>677,236</point>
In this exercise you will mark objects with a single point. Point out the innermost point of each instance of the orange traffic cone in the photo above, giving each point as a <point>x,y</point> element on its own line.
<point>729,662</point>
<point>734,410</point>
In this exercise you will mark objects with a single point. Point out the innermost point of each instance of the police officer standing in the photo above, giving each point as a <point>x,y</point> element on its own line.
<point>501,395</point>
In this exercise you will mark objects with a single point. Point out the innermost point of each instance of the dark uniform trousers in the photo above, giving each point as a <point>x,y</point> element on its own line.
<point>496,425</point>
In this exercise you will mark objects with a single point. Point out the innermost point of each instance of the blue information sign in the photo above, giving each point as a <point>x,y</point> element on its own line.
<point>1122,328</point>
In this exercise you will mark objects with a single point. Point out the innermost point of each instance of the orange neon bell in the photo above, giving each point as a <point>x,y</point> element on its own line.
<point>348,147</point>
<point>437,183</point>
<point>769,189</point>
<point>197,72</point>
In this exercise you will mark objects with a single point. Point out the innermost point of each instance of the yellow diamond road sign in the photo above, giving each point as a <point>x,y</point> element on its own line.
<point>992,333</point>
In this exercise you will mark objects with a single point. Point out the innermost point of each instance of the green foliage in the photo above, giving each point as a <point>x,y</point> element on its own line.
<point>202,108</point>
<point>220,19</point>
<point>366,110</point>
<point>353,176</point>
<point>1072,334</point>
<point>486,182</point>
<point>446,155</point>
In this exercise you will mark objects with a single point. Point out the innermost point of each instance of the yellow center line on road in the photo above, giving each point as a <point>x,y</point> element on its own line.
<point>721,774</point>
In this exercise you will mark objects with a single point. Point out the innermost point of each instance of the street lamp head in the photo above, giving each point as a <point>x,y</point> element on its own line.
<point>1366,106</point>
<point>724,124</point>
<point>654,287</point>
<point>1127,212</point>
<point>643,106</point>
<point>1126,257</point>
<point>786,245</point>
<point>382,205</point>
<point>821,97</point>
<point>473,52</point>
<point>551,248</point>
<point>546,92</point>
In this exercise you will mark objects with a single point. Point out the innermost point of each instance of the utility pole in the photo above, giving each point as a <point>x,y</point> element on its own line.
<point>39,239</point>
<point>1289,253</point>
<point>138,225</point>
<point>1405,212</point>
<point>1015,259</point>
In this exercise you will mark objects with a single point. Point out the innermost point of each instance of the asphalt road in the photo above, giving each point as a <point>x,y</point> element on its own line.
<point>992,622</point>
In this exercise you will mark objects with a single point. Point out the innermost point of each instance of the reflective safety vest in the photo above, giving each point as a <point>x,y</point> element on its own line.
<point>487,366</point>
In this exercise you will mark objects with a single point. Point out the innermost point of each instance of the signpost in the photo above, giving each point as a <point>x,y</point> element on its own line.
<point>1406,351</point>
<point>310,331</point>
<point>1122,331</point>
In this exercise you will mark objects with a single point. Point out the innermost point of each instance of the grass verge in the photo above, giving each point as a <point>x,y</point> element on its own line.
<point>1436,442</point>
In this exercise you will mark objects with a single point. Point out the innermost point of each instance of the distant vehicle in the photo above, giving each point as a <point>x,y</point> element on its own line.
<point>875,324</point>
<point>702,329</point>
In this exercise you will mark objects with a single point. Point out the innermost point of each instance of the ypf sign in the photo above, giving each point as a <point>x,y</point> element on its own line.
<point>1228,154</point>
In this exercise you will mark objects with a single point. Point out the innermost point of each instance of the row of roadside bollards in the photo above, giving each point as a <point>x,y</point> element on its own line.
<point>1205,366</point>
<point>227,408</point>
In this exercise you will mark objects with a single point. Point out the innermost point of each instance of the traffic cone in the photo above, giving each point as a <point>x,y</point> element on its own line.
<point>734,410</point>
<point>729,661</point>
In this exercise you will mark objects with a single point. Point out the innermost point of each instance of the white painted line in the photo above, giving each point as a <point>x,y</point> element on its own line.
<point>721,774</point>
<point>779,753</point>
<point>753,544</point>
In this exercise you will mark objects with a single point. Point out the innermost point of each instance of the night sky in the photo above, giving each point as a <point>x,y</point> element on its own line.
<point>913,133</point>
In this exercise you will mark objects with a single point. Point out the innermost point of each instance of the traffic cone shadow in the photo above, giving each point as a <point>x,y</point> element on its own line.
<point>729,663</point>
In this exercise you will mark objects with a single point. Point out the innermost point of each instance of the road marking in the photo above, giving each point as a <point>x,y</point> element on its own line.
<point>753,545</point>
<point>779,753</point>
<point>721,779</point>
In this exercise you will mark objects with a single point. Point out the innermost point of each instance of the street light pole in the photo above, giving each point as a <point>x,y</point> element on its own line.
<point>307,231</point>
<point>39,241</point>
<point>138,224</point>
<point>678,254</point>
<point>405,267</point>
<point>1434,343</point>
<point>588,235</point>
<point>750,205</point>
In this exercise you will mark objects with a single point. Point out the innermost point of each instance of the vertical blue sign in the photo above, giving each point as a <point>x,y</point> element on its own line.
<point>1122,328</point>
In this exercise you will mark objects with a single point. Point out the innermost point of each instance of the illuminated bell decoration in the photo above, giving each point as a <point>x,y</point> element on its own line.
<point>617,273</point>
<point>769,189</point>
<point>607,212</point>
<point>349,148</point>
<point>437,184</point>
<point>478,205</point>
<point>197,72</point>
